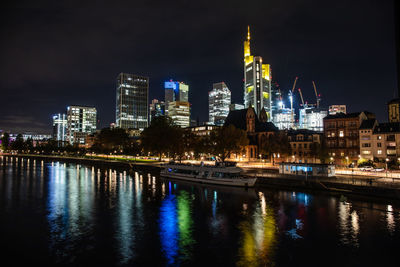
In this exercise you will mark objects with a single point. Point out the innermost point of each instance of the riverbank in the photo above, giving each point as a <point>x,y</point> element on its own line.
<point>340,185</point>
<point>92,160</point>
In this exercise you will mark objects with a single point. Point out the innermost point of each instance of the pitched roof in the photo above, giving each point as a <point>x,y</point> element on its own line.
<point>367,124</point>
<point>343,115</point>
<point>238,119</point>
<point>387,127</point>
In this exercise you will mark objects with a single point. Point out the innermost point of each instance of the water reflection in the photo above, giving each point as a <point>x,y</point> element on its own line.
<point>137,218</point>
<point>176,226</point>
<point>348,224</point>
<point>69,205</point>
<point>258,236</point>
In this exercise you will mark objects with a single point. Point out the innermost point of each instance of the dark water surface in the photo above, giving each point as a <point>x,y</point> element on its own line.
<point>55,213</point>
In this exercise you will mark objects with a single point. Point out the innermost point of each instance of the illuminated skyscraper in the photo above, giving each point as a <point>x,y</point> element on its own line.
<point>175,91</point>
<point>179,111</point>
<point>132,101</point>
<point>81,121</point>
<point>60,128</point>
<point>219,99</point>
<point>257,81</point>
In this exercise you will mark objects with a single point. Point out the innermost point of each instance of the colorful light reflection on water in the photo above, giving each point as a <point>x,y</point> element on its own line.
<point>71,214</point>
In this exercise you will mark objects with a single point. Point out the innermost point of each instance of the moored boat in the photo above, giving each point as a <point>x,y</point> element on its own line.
<point>220,174</point>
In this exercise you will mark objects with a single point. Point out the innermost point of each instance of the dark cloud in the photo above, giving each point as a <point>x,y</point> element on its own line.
<point>59,53</point>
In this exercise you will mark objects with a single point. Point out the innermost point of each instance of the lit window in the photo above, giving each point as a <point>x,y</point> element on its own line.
<point>342,154</point>
<point>341,133</point>
<point>379,152</point>
<point>379,137</point>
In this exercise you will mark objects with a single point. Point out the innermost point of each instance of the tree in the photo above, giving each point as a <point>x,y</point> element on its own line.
<point>5,141</point>
<point>18,144</point>
<point>110,140</point>
<point>161,136</point>
<point>227,140</point>
<point>276,143</point>
<point>320,151</point>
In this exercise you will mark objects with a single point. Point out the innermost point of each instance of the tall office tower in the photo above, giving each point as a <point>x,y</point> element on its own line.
<point>132,101</point>
<point>257,82</point>
<point>179,111</point>
<point>175,91</point>
<point>60,128</point>
<point>81,121</point>
<point>276,99</point>
<point>334,109</point>
<point>157,108</point>
<point>219,99</point>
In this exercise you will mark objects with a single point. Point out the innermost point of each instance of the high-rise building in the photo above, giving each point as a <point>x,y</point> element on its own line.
<point>179,111</point>
<point>175,91</point>
<point>219,99</point>
<point>235,106</point>
<point>157,108</point>
<point>132,101</point>
<point>81,121</point>
<point>276,99</point>
<point>283,119</point>
<point>334,109</point>
<point>60,128</point>
<point>257,81</point>
<point>312,118</point>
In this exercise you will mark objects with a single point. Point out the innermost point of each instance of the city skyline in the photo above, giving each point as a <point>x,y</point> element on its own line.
<point>350,56</point>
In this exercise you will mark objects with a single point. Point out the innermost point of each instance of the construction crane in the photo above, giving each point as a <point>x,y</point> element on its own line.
<point>301,96</point>
<point>291,99</point>
<point>316,94</point>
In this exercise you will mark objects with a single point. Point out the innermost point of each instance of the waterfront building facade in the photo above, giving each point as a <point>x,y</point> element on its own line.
<point>303,143</point>
<point>257,131</point>
<point>60,128</point>
<point>257,82</point>
<point>219,99</point>
<point>132,101</point>
<point>82,120</point>
<point>341,133</point>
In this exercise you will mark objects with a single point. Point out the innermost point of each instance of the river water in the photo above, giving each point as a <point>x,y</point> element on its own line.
<point>64,214</point>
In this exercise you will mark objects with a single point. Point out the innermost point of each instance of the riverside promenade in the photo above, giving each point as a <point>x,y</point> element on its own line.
<point>378,185</point>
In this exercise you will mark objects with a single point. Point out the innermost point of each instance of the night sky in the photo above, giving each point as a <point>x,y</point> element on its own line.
<point>53,55</point>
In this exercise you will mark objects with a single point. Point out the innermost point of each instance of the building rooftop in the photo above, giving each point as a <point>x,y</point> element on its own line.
<point>367,124</point>
<point>238,119</point>
<point>387,127</point>
<point>393,101</point>
<point>349,115</point>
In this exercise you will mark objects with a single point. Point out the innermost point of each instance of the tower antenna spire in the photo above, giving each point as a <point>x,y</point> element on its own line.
<point>248,33</point>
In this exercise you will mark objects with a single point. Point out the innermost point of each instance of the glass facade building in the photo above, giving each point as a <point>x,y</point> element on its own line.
<point>219,99</point>
<point>179,111</point>
<point>157,108</point>
<point>60,128</point>
<point>311,118</point>
<point>257,81</point>
<point>175,91</point>
<point>132,101</point>
<point>81,120</point>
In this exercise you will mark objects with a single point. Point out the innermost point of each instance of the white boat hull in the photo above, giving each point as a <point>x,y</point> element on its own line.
<point>242,182</point>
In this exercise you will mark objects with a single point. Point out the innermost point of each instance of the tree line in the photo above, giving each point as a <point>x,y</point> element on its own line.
<point>165,139</point>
